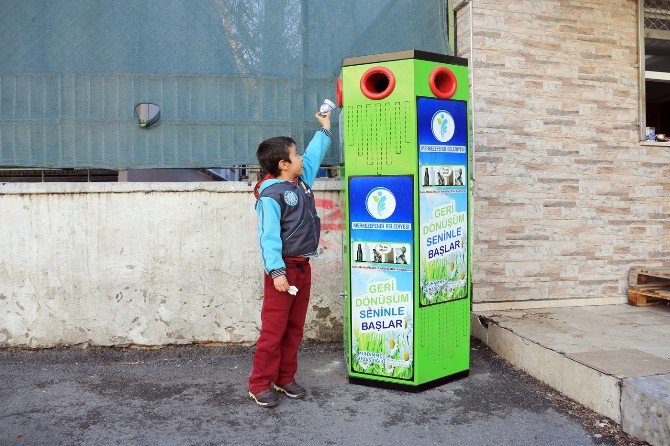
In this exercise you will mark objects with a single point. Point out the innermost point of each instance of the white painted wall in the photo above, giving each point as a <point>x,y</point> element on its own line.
<point>146,264</point>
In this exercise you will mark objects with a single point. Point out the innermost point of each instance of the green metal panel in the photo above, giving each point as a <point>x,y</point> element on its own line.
<point>381,140</point>
<point>444,345</point>
<point>390,130</point>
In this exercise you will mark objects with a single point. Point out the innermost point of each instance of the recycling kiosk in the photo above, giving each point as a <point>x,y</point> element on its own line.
<point>405,199</point>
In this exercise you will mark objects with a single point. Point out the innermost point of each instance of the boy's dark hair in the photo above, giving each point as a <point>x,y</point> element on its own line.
<point>273,150</point>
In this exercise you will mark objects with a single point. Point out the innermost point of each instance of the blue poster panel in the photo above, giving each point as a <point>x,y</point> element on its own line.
<point>382,285</point>
<point>443,200</point>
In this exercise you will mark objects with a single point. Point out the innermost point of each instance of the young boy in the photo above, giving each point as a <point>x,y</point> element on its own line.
<point>288,232</point>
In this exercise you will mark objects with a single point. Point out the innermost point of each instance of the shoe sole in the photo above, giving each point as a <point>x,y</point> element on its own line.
<point>295,396</point>
<point>251,395</point>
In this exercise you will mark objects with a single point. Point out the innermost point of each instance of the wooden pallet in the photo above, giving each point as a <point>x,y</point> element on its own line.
<point>645,295</point>
<point>648,275</point>
<point>649,286</point>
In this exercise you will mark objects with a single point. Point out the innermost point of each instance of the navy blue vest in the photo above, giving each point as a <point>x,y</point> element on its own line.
<point>300,226</point>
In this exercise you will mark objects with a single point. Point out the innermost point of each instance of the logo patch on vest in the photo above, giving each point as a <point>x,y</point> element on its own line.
<point>290,198</point>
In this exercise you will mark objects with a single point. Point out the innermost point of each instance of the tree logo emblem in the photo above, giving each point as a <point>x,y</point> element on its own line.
<point>380,203</point>
<point>443,126</point>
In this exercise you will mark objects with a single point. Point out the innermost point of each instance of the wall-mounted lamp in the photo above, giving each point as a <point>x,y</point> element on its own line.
<point>147,114</point>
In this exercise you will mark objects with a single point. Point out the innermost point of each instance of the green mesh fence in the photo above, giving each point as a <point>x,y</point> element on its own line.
<point>226,74</point>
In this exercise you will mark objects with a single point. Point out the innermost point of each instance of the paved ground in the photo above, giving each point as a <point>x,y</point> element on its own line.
<point>197,396</point>
<point>620,340</point>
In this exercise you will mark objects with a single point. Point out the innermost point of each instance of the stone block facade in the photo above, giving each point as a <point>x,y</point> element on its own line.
<point>566,197</point>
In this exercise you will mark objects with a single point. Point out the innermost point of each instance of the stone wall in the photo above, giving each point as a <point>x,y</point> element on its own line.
<point>566,197</point>
<point>146,264</point>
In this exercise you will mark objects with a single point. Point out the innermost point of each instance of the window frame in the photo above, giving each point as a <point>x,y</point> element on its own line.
<point>645,75</point>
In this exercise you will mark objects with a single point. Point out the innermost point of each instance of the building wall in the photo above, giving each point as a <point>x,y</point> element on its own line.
<point>146,264</point>
<point>566,197</point>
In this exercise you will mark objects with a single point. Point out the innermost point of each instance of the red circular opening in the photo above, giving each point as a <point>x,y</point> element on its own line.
<point>442,82</point>
<point>377,83</point>
<point>338,92</point>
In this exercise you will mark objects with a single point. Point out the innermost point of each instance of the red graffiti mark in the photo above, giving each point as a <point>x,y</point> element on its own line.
<point>332,213</point>
<point>331,218</point>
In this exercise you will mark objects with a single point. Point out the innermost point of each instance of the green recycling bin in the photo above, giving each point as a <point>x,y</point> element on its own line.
<point>406,202</point>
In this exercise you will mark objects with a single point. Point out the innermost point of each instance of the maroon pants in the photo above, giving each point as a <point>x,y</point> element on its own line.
<point>282,322</point>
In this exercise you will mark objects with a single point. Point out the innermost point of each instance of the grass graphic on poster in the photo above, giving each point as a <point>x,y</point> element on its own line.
<point>390,354</point>
<point>446,270</point>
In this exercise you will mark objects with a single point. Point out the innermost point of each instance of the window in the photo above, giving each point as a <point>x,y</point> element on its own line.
<point>655,70</point>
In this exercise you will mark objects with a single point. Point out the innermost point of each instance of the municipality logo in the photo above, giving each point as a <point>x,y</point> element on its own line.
<point>443,125</point>
<point>380,203</point>
<point>290,198</point>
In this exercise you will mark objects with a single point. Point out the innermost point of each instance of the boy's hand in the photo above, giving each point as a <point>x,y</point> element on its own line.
<point>323,120</point>
<point>281,283</point>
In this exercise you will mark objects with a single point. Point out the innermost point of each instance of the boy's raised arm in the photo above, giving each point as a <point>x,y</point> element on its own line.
<point>316,150</point>
<point>269,228</point>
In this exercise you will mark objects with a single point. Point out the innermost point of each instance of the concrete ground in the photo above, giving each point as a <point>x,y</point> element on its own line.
<point>614,359</point>
<point>197,396</point>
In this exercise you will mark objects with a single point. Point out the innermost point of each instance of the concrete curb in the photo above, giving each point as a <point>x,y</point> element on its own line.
<point>594,389</point>
<point>645,408</point>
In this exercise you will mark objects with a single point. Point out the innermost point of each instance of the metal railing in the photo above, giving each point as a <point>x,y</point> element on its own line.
<point>249,174</point>
<point>657,15</point>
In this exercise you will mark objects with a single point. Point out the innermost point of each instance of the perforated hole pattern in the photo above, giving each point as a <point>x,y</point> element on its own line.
<point>380,132</point>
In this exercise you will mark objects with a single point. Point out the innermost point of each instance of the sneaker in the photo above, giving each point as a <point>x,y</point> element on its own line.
<point>265,398</point>
<point>292,390</point>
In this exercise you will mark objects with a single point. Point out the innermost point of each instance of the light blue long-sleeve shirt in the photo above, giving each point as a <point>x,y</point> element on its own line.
<point>269,210</point>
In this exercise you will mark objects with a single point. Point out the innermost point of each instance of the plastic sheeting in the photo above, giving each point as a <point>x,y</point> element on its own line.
<point>226,74</point>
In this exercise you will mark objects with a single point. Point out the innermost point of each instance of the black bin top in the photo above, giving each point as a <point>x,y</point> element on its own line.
<point>402,55</point>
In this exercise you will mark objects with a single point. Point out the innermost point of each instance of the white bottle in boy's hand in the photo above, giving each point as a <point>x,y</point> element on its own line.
<point>327,106</point>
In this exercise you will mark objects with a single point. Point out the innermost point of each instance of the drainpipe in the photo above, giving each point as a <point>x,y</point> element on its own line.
<point>460,6</point>
<point>473,183</point>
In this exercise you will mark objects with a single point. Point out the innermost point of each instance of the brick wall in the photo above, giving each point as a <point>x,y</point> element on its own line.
<point>566,197</point>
